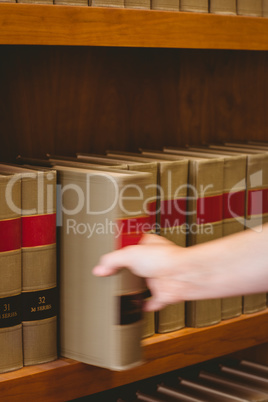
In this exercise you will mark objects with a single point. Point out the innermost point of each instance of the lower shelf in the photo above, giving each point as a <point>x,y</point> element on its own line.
<point>66,379</point>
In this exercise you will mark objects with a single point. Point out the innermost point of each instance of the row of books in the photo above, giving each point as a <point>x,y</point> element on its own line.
<point>107,202</point>
<point>227,380</point>
<point>256,8</point>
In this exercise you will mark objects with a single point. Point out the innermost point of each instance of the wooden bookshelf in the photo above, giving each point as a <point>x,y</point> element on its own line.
<point>204,78</point>
<point>67,379</point>
<point>26,24</point>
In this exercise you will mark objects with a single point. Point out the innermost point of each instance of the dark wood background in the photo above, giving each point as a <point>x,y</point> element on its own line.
<point>67,99</point>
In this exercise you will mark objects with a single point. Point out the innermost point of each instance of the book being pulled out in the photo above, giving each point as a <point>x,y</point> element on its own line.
<point>101,211</point>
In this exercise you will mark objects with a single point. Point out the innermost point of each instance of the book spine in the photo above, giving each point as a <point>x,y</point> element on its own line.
<point>265,8</point>
<point>138,4</point>
<point>256,214</point>
<point>234,202</point>
<point>72,2</point>
<point>206,206</point>
<point>39,271</point>
<point>249,7</point>
<point>173,184</point>
<point>223,7</point>
<point>108,3</point>
<point>35,1</point>
<point>10,277</point>
<point>200,6</point>
<point>166,5</point>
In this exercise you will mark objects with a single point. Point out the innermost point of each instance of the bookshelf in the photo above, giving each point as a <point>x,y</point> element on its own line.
<point>87,79</point>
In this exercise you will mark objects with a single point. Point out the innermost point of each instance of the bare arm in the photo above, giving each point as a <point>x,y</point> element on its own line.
<point>233,265</point>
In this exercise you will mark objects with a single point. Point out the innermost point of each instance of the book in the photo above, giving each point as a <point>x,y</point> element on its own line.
<point>205,193</point>
<point>256,205</point>
<point>233,387</point>
<point>166,5</point>
<point>234,197</point>
<point>200,6</point>
<point>10,273</point>
<point>73,2</point>
<point>108,3</point>
<point>100,318</point>
<point>223,7</point>
<point>218,391</point>
<point>35,1</point>
<point>241,375</point>
<point>139,4</point>
<point>39,270</point>
<point>192,393</point>
<point>249,7</point>
<point>171,207</point>
<point>146,167</point>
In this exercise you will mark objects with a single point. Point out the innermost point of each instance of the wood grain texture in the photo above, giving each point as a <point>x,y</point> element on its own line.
<point>63,25</point>
<point>66,379</point>
<point>63,100</point>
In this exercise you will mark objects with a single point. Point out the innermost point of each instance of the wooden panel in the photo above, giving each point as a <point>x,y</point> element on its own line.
<point>65,379</point>
<point>60,25</point>
<point>68,99</point>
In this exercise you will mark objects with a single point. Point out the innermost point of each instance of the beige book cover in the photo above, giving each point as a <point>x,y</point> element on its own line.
<point>108,3</point>
<point>138,4</point>
<point>73,2</point>
<point>199,6</point>
<point>100,318</point>
<point>249,7</point>
<point>166,5</point>
<point>218,392</point>
<point>39,270</point>
<point>147,167</point>
<point>171,207</point>
<point>223,7</point>
<point>234,197</point>
<point>233,387</point>
<point>10,273</point>
<point>256,205</point>
<point>240,374</point>
<point>192,393</point>
<point>36,1</point>
<point>205,193</point>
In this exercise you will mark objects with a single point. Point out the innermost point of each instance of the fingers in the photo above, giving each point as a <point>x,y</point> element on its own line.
<point>151,239</point>
<point>112,262</point>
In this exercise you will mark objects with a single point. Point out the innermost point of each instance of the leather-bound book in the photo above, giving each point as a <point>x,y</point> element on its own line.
<point>256,205</point>
<point>166,5</point>
<point>234,197</point>
<point>39,260</point>
<point>100,318</point>
<point>172,175</point>
<point>108,3</point>
<point>138,4</point>
<point>10,273</point>
<point>205,192</point>
<point>199,6</point>
<point>223,7</point>
<point>146,167</point>
<point>73,2</point>
<point>249,7</point>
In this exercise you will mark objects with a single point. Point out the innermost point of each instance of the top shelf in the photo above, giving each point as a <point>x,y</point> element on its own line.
<point>27,24</point>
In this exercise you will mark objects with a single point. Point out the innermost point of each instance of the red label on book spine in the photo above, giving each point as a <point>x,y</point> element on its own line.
<point>10,234</point>
<point>234,204</point>
<point>130,230</point>
<point>173,213</point>
<point>258,202</point>
<point>38,230</point>
<point>209,209</point>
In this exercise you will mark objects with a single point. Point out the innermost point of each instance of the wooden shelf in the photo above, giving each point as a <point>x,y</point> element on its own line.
<point>66,379</point>
<point>27,24</point>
